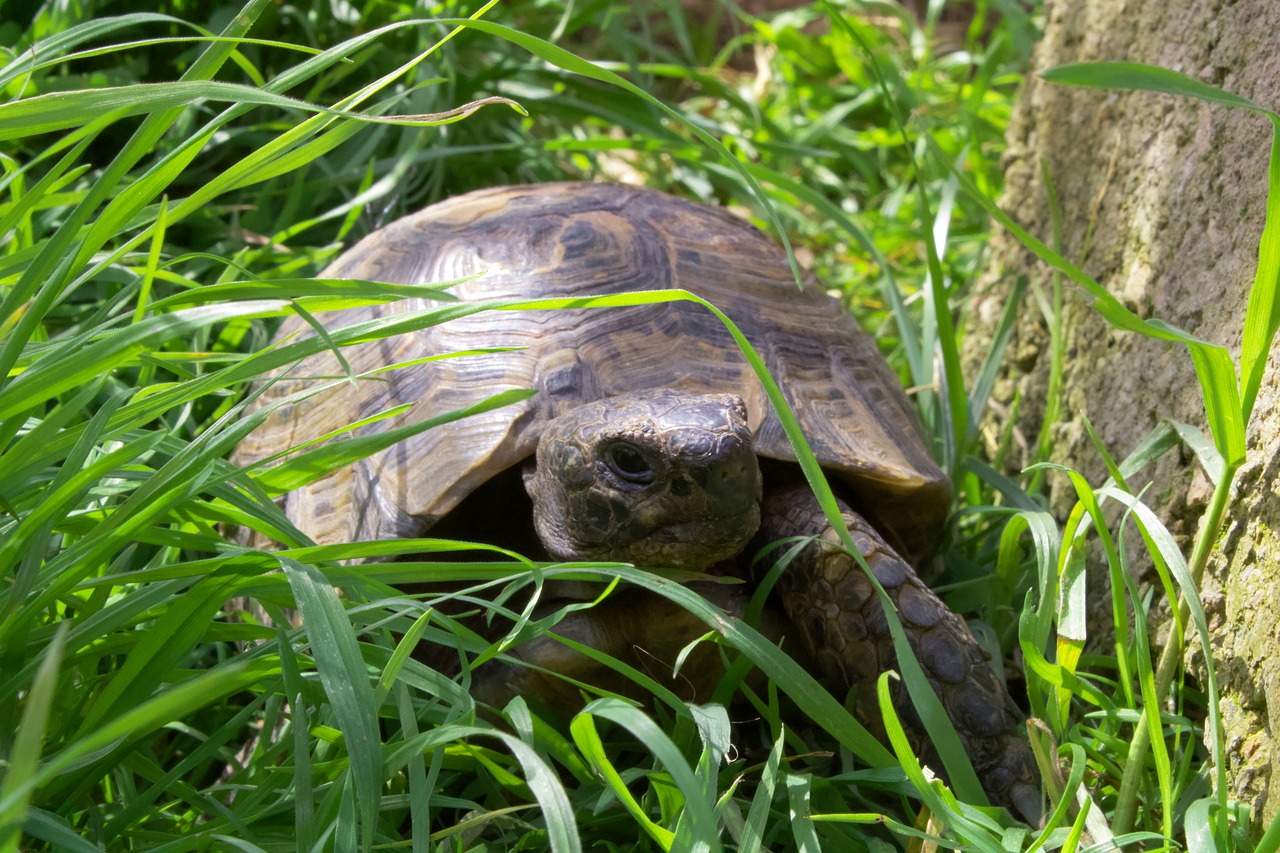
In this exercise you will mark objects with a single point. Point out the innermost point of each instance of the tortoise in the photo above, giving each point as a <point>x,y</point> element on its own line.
<point>649,441</point>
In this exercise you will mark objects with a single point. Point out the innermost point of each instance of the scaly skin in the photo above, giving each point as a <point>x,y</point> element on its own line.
<point>832,604</point>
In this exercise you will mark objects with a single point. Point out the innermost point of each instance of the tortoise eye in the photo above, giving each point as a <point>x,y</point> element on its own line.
<point>629,464</point>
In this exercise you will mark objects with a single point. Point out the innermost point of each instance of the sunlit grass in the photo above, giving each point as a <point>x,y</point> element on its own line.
<point>152,234</point>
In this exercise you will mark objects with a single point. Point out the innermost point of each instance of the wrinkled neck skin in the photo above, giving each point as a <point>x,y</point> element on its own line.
<point>655,478</point>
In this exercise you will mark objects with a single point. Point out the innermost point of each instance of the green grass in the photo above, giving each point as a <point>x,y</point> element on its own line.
<point>169,182</point>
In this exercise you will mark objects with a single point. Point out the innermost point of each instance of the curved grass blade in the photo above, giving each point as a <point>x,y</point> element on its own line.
<point>1213,363</point>
<point>562,833</point>
<point>22,762</point>
<point>1134,76</point>
<point>762,801</point>
<point>589,744</point>
<point>922,694</point>
<point>1262,317</point>
<point>345,678</point>
<point>51,828</point>
<point>317,294</point>
<point>936,797</point>
<point>64,110</point>
<point>696,828</point>
<point>56,45</point>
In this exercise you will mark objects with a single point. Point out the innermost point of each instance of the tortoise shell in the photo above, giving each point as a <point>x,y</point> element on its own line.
<point>584,239</point>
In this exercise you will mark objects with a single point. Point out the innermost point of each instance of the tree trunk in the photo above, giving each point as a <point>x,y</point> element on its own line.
<point>1163,202</point>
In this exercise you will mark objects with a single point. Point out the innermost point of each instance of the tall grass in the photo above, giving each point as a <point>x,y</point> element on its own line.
<point>171,181</point>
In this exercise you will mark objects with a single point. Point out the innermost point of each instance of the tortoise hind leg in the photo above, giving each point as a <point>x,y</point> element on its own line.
<point>834,608</point>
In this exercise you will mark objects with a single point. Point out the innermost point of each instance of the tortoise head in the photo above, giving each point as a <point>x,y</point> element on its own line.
<point>656,478</point>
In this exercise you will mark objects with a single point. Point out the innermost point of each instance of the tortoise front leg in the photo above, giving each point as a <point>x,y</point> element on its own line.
<point>833,606</point>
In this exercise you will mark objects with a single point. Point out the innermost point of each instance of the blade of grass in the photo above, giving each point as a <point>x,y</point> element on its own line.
<point>60,42</point>
<point>803,831</point>
<point>312,465</point>
<point>935,795</point>
<point>345,678</point>
<point>63,110</point>
<point>15,792</point>
<point>762,801</point>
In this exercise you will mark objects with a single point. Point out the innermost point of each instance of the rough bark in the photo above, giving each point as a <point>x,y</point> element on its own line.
<point>1172,192</point>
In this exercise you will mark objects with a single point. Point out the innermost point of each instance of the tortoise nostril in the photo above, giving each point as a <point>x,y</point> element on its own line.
<point>731,479</point>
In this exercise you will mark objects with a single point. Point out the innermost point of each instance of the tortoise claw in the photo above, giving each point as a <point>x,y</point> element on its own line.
<point>1026,802</point>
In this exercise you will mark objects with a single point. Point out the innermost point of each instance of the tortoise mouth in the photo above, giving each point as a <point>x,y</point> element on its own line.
<point>696,543</point>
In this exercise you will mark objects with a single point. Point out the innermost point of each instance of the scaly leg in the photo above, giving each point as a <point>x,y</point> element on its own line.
<point>834,608</point>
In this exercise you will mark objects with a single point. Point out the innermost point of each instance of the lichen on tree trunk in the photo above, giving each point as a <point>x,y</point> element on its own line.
<point>1163,202</point>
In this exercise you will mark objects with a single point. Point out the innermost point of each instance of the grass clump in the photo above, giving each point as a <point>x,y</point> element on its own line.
<point>170,182</point>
